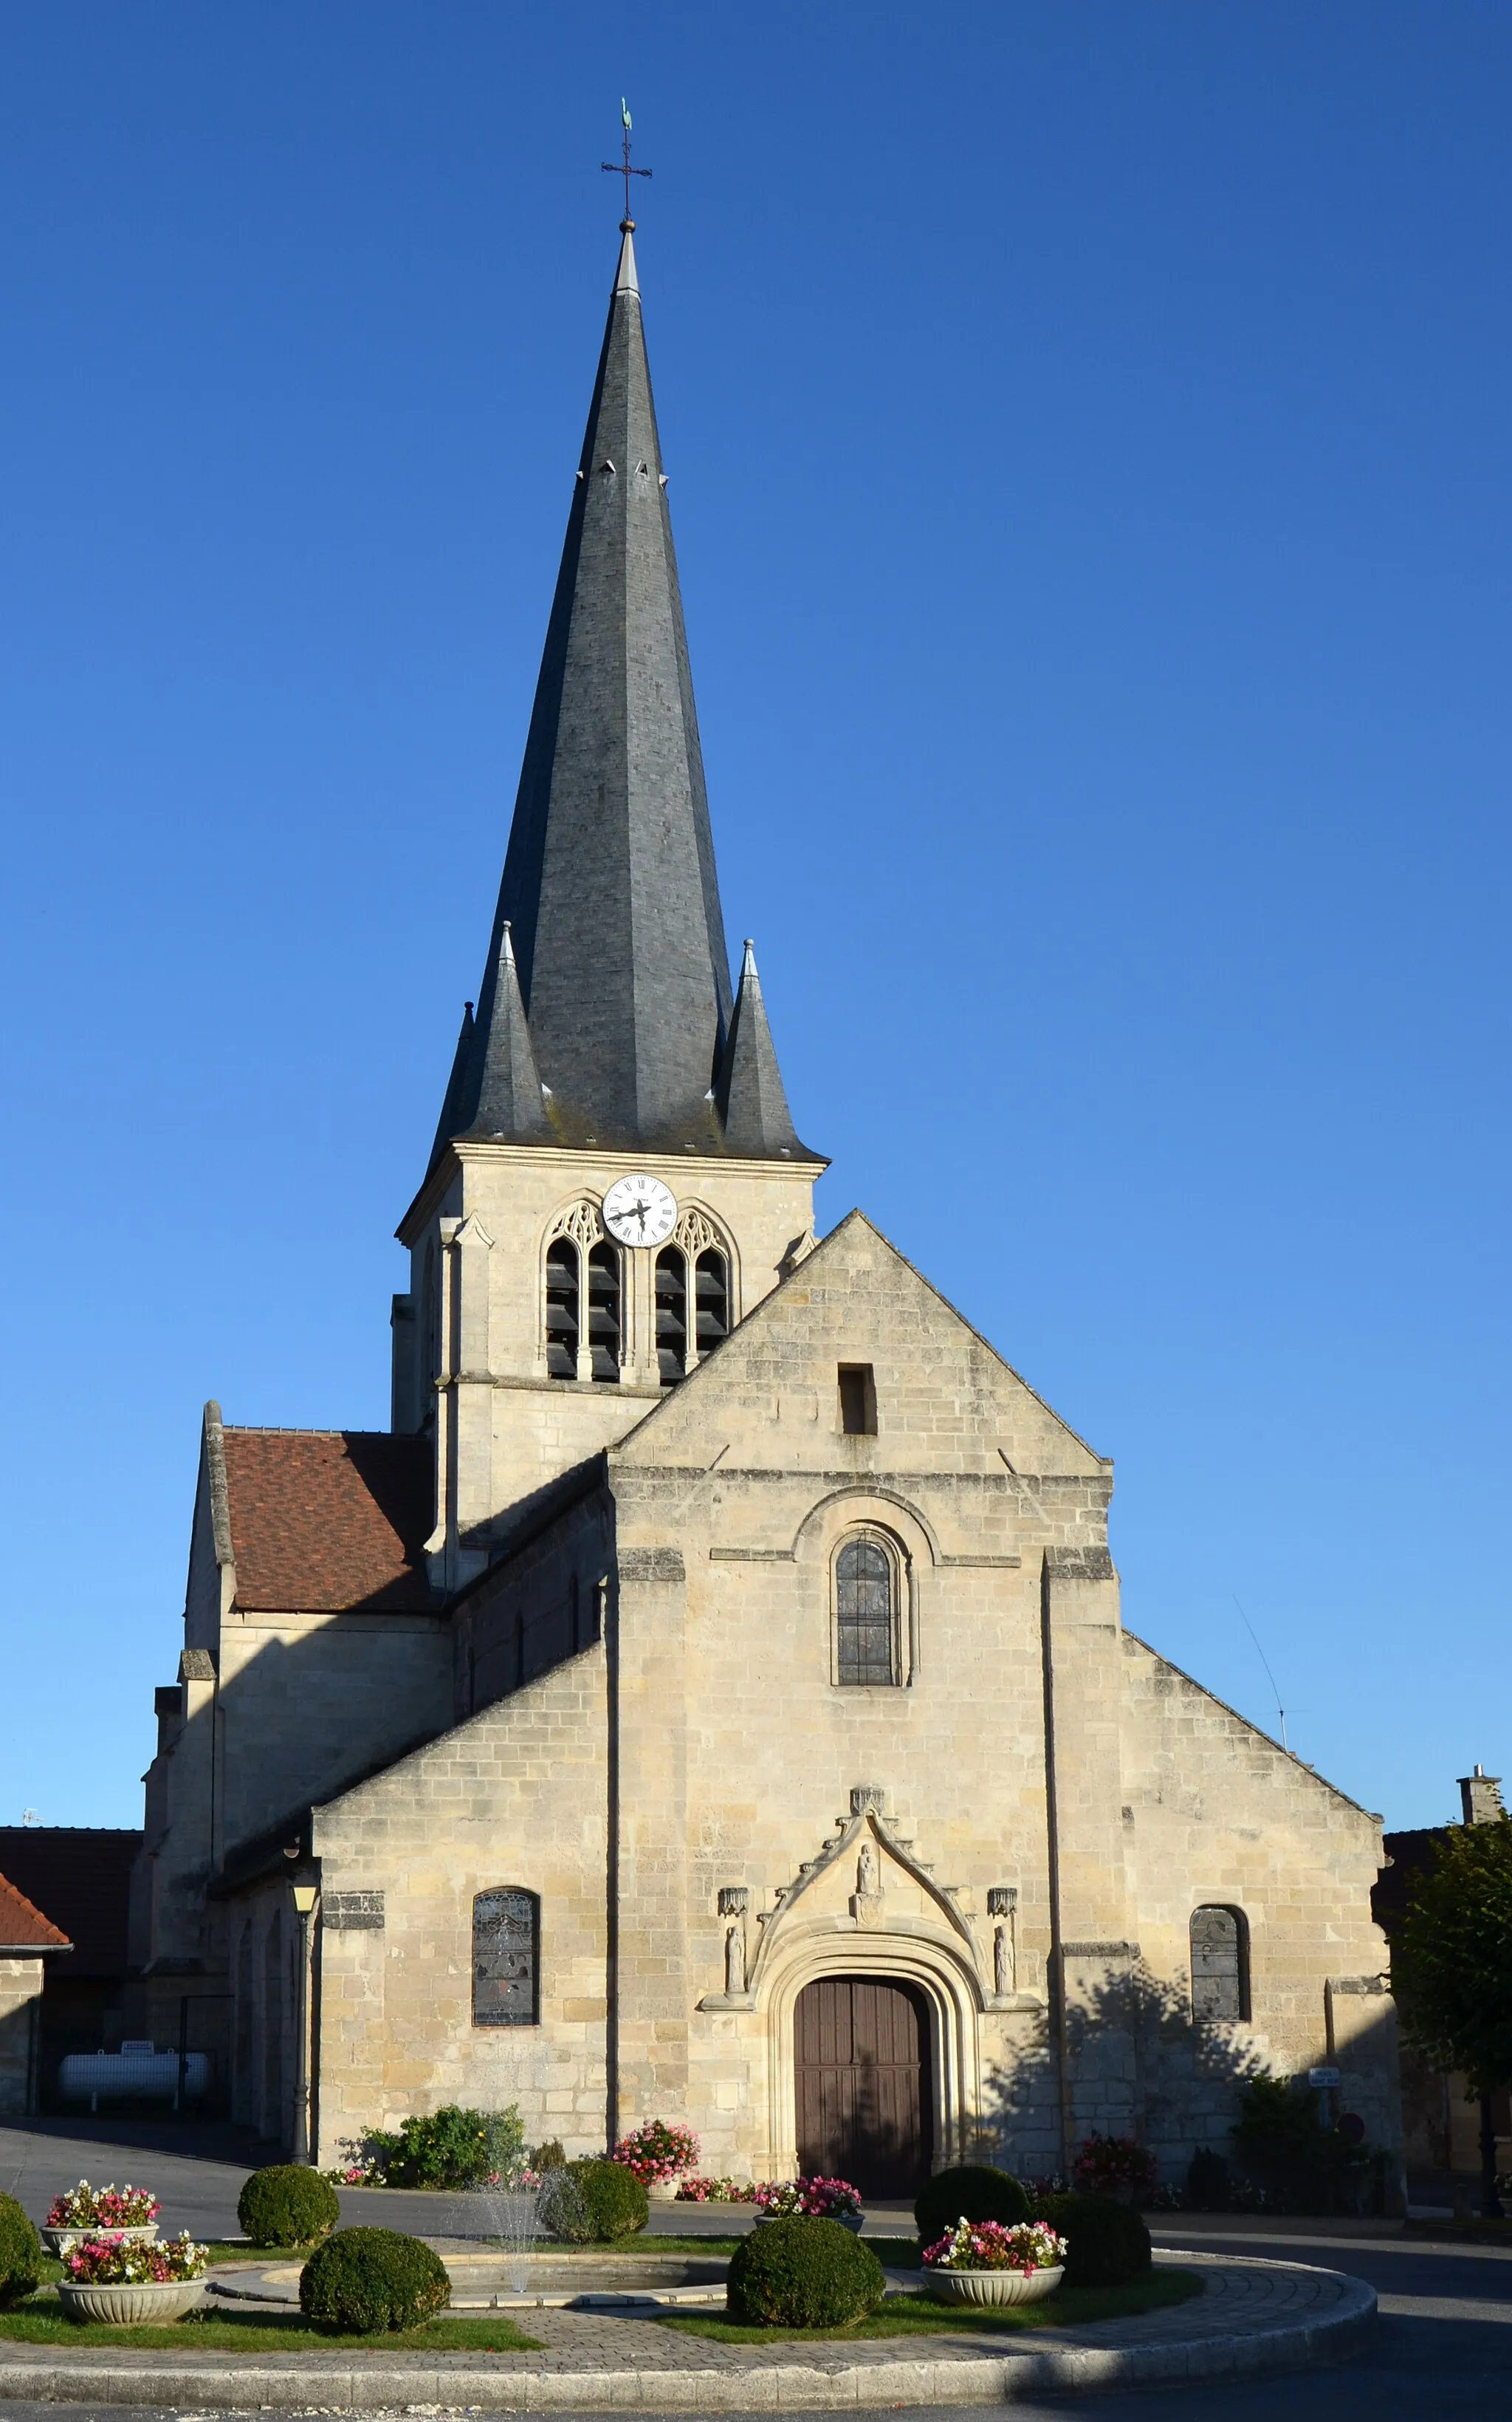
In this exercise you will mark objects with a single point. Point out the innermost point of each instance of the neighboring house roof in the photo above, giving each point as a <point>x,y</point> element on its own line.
<point>329,1521</point>
<point>81,1874</point>
<point>24,1930</point>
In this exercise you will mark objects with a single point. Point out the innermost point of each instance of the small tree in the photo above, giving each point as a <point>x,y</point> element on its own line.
<point>1452,1970</point>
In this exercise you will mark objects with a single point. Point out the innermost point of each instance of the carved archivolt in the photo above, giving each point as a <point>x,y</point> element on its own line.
<point>580,1221</point>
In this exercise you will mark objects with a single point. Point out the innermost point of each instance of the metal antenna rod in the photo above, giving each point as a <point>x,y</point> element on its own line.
<point>1270,1676</point>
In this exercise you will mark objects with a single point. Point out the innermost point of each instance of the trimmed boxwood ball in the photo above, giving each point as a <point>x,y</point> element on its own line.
<point>372,2279</point>
<point>288,2205</point>
<point>1107,2242</point>
<point>21,2252</point>
<point>971,2193</point>
<point>592,2203</point>
<point>803,2275</point>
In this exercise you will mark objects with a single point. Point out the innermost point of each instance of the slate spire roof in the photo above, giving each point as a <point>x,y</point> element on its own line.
<point>606,1013</point>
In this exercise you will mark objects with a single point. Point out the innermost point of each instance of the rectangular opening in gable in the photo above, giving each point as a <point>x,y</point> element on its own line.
<point>858,1400</point>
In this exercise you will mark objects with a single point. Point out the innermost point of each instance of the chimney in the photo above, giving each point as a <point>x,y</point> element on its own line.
<point>1480,1796</point>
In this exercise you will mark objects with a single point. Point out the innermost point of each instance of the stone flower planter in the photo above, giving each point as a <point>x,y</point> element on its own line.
<point>663,2190</point>
<point>122,2304</point>
<point>996,2287</point>
<point>63,2241</point>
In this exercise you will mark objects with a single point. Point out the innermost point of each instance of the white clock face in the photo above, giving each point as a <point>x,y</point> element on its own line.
<point>639,1211</point>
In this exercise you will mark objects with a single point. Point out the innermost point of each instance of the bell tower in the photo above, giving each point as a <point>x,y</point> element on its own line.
<point>616,1179</point>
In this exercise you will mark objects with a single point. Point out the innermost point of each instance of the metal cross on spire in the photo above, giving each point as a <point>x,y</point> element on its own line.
<point>623,167</point>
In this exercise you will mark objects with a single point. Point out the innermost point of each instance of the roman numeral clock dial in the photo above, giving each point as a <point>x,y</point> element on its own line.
<point>639,1211</point>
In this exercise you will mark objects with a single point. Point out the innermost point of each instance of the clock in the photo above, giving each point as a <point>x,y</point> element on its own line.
<point>639,1211</point>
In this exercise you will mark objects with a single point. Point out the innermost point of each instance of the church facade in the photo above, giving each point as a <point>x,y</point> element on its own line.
<point>709,1700</point>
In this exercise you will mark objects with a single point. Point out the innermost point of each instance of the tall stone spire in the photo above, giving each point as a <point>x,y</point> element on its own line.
<point>610,880</point>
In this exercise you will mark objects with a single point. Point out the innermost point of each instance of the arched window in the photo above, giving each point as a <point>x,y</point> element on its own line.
<point>866,1613</point>
<point>1220,1964</point>
<point>506,1957</point>
<point>582,1310</point>
<point>671,1313</point>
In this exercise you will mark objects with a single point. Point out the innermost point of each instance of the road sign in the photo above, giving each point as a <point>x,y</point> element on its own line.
<point>1323,2077</point>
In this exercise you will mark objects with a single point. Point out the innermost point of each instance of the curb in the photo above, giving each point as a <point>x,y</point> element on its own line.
<point>1236,2354</point>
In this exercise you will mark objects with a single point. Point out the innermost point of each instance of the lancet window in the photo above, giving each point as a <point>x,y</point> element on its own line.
<point>866,1612</point>
<point>583,1330</point>
<point>693,1291</point>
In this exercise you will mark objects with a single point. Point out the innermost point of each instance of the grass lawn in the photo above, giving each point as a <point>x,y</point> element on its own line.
<point>918,2313</point>
<point>257,2333</point>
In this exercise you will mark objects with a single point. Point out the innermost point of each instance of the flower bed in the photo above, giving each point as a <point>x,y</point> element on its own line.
<point>811,2198</point>
<point>656,2152</point>
<point>696,2190</point>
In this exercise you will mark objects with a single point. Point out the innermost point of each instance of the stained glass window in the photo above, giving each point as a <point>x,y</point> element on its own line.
<point>506,1958</point>
<point>863,1612</point>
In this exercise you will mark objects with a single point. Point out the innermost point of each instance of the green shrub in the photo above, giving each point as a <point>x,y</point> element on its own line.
<point>803,2275</point>
<point>1107,2242</point>
<point>973,2192</point>
<point>288,2205</point>
<point>591,2202</point>
<point>549,2156</point>
<point>372,2279</point>
<point>451,2148</point>
<point>1282,2146</point>
<point>21,2252</point>
<point>1208,2181</point>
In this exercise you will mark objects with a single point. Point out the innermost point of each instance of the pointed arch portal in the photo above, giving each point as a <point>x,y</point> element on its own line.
<point>861,2073</point>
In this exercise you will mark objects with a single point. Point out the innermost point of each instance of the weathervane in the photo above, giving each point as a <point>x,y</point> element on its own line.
<point>623,167</point>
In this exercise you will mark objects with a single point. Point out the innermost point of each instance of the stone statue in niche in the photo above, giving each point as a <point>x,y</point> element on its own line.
<point>866,1900</point>
<point>1002,1904</point>
<point>734,1900</point>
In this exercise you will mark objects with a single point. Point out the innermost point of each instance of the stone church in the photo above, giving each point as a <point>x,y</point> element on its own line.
<point>708,1700</point>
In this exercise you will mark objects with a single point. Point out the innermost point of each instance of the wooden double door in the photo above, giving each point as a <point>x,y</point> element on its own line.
<point>861,2060</point>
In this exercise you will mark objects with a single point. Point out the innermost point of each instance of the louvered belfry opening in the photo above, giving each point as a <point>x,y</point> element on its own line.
<point>671,1313</point>
<point>563,1284</point>
<point>603,1324</point>
<point>712,1293</point>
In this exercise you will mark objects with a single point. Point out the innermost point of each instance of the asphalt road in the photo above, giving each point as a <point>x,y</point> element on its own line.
<point>1443,2350</point>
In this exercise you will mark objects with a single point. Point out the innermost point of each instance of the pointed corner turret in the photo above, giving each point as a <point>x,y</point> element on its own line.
<point>752,1100</point>
<point>503,1102</point>
<point>455,1094</point>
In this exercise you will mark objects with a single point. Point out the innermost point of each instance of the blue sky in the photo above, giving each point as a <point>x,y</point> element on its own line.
<point>1088,429</point>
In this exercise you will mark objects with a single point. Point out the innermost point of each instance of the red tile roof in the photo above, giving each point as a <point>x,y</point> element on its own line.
<point>329,1521</point>
<point>82,1874</point>
<point>25,1929</point>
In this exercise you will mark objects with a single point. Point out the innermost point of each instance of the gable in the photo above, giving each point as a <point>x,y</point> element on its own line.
<point>942,1394</point>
